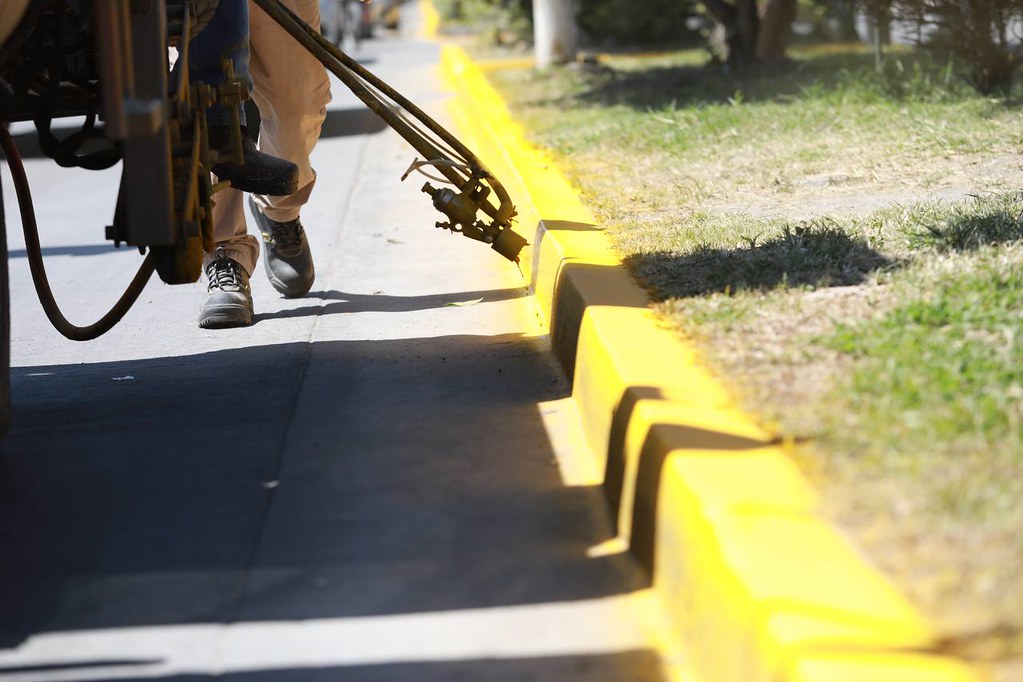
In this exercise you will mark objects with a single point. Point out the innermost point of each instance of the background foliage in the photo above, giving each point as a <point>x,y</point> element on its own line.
<point>981,38</point>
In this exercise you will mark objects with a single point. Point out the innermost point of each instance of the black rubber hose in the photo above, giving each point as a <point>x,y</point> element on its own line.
<point>35,260</point>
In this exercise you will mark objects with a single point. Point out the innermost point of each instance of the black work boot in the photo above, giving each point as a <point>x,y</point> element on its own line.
<point>288,261</point>
<point>260,173</point>
<point>229,300</point>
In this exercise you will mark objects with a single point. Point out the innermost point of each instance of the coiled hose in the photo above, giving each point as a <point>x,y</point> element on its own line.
<point>36,265</point>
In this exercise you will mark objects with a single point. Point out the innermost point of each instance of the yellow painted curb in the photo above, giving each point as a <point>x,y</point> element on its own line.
<point>431,20</point>
<point>755,585</point>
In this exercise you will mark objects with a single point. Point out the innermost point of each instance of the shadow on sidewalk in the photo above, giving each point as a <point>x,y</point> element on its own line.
<point>635,666</point>
<point>296,482</point>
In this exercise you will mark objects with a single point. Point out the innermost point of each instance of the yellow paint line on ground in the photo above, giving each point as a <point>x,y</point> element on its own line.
<point>431,20</point>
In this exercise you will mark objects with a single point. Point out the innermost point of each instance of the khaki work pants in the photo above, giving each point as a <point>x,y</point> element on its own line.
<point>291,89</point>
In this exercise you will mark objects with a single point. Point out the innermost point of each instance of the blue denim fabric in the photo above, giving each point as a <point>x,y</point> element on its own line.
<point>225,37</point>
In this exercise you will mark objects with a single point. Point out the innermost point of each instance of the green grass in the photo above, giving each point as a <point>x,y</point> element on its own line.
<point>941,377</point>
<point>791,221</point>
<point>987,220</point>
<point>677,124</point>
<point>767,255</point>
<point>720,252</point>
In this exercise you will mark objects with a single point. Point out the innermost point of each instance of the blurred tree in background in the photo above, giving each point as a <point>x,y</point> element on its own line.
<point>985,34</point>
<point>636,22</point>
<point>502,22</point>
<point>751,30</point>
<point>981,37</point>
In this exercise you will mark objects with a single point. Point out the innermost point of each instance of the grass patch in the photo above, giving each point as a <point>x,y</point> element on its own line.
<point>990,220</point>
<point>702,137</point>
<point>944,372</point>
<point>817,253</point>
<point>845,245</point>
<point>705,252</point>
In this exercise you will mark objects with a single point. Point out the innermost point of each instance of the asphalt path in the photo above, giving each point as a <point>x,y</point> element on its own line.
<point>375,482</point>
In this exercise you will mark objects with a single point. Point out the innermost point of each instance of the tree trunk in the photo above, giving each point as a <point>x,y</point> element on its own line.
<point>741,24</point>
<point>846,14</point>
<point>554,32</point>
<point>775,28</point>
<point>748,29</point>
<point>880,31</point>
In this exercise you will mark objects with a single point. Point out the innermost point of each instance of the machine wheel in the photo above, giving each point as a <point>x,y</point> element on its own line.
<point>179,263</point>
<point>5,330</point>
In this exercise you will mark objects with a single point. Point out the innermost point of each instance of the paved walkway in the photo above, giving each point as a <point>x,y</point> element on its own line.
<point>371,483</point>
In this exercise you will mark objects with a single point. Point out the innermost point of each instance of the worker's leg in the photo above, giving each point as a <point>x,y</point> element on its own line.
<point>291,90</point>
<point>225,37</point>
<point>230,232</point>
<point>228,302</point>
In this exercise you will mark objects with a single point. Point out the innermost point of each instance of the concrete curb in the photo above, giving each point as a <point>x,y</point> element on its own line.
<point>756,587</point>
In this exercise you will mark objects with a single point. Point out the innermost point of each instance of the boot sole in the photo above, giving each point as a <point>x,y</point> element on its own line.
<point>225,317</point>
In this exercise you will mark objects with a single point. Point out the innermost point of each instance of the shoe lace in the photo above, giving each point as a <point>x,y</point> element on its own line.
<point>224,273</point>
<point>287,234</point>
